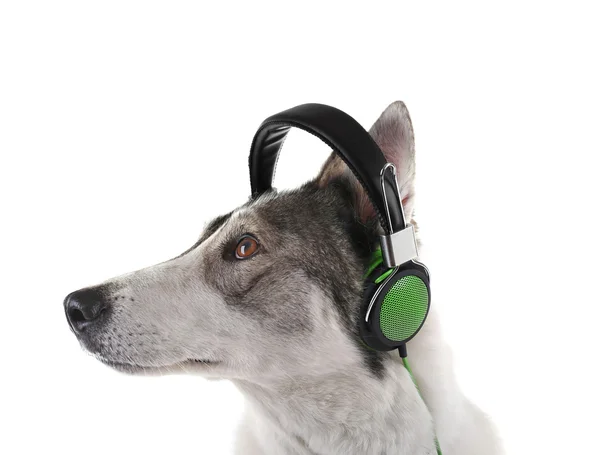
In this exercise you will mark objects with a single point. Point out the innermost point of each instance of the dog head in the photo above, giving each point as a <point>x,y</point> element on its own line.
<point>272,288</point>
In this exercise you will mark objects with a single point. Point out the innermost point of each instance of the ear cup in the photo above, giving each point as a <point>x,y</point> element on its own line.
<point>396,308</point>
<point>404,308</point>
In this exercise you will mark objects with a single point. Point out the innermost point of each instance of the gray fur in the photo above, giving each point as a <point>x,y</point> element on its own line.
<point>283,324</point>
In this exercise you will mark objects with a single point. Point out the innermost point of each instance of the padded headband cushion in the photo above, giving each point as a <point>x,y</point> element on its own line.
<point>340,132</point>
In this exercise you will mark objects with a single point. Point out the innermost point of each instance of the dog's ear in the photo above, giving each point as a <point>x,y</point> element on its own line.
<point>393,133</point>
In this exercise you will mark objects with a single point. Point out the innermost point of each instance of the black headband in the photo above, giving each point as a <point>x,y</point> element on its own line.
<point>345,136</point>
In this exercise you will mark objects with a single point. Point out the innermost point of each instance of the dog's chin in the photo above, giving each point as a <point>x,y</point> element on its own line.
<point>193,366</point>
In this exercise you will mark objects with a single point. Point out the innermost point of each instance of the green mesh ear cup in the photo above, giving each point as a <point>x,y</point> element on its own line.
<point>396,303</point>
<point>404,308</point>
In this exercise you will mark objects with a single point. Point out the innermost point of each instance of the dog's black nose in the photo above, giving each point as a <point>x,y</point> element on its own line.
<point>84,307</point>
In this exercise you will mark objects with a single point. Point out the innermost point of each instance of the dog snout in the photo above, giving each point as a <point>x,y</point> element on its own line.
<point>84,308</point>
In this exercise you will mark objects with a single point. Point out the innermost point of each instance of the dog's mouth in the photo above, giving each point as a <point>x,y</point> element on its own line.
<point>202,361</point>
<point>178,367</point>
<point>127,363</point>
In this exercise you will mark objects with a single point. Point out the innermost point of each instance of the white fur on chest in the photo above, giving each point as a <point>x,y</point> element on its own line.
<point>354,413</point>
<point>343,419</point>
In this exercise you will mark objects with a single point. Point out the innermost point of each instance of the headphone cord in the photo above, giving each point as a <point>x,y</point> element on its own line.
<point>403,355</point>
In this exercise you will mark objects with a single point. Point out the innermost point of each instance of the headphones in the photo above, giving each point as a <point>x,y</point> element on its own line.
<point>397,293</point>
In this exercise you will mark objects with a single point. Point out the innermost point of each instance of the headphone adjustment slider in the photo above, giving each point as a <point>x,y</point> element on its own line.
<point>399,247</point>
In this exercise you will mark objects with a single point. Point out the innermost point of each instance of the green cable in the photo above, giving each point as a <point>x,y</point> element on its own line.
<point>376,261</point>
<point>407,366</point>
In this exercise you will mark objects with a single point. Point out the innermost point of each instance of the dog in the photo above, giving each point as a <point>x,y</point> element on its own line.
<point>269,297</point>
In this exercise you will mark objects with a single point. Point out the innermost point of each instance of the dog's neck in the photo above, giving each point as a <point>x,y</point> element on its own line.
<point>348,412</point>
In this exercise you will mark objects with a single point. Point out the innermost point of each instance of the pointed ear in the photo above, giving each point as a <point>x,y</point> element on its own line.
<point>393,133</point>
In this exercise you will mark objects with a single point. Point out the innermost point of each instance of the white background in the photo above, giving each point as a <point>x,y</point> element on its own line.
<point>124,126</point>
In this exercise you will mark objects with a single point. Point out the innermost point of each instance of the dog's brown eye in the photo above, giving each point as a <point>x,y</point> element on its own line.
<point>246,247</point>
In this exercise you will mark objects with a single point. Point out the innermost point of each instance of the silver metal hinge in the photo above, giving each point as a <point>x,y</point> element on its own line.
<point>399,247</point>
